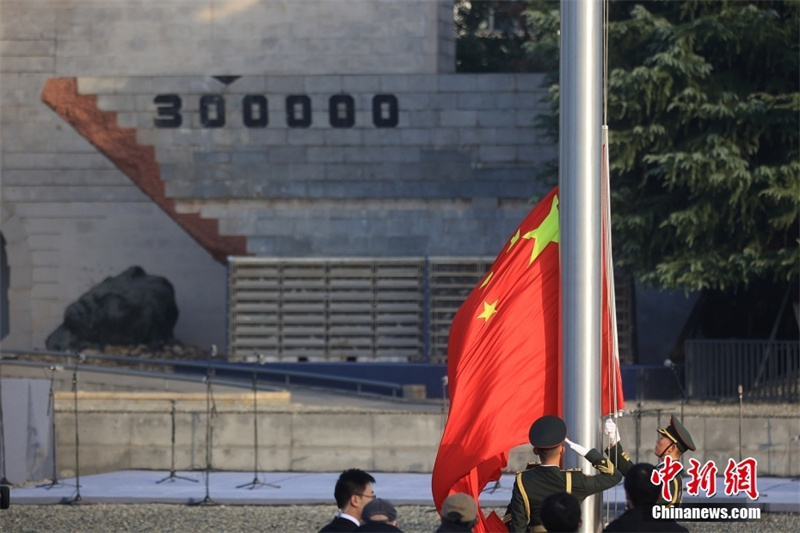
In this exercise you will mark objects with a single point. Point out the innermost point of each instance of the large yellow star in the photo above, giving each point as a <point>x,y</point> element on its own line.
<point>546,233</point>
<point>488,310</point>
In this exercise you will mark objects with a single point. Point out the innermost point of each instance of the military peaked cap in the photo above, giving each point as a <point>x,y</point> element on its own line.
<point>548,432</point>
<point>678,434</point>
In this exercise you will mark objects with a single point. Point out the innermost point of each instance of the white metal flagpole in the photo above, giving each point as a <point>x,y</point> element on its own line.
<point>580,229</point>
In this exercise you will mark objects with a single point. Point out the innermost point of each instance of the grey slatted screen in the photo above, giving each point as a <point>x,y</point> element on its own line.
<point>359,309</point>
<point>451,280</point>
<point>326,309</point>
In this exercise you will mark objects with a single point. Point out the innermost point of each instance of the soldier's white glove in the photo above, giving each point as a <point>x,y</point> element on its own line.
<point>580,450</point>
<point>612,431</point>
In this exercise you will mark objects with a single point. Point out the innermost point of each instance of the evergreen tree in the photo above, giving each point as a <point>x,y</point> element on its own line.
<point>703,105</point>
<point>490,36</point>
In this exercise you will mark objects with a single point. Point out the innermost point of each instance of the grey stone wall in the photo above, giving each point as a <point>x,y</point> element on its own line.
<point>451,177</point>
<point>135,434</point>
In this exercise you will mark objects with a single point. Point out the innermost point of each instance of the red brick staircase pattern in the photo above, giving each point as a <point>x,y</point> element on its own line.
<point>136,161</point>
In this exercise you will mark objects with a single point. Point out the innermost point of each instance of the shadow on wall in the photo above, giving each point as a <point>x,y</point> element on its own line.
<point>5,278</point>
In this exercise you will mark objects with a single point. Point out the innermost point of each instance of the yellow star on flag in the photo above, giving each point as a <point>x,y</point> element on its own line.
<point>488,310</point>
<point>514,240</point>
<point>546,233</point>
<point>487,279</point>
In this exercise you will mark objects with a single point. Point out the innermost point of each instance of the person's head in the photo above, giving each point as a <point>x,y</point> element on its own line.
<point>461,509</point>
<point>673,440</point>
<point>353,491</point>
<point>640,490</point>
<point>379,510</point>
<point>561,512</point>
<point>546,435</point>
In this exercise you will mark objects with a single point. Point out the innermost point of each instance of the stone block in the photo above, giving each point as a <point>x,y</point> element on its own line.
<point>526,101</point>
<point>416,136</point>
<point>98,85</point>
<point>44,64</point>
<point>324,154</point>
<point>322,84</point>
<point>254,156</point>
<point>203,157</point>
<point>326,457</point>
<point>458,119</point>
<point>360,84</point>
<point>352,137</point>
<point>458,83</point>
<point>267,137</point>
<point>401,154</point>
<point>304,137</point>
<point>285,85</point>
<point>405,430</point>
<point>525,118</point>
<point>422,119</point>
<point>497,118</point>
<point>365,154</point>
<point>405,460</point>
<point>110,429</point>
<point>286,154</point>
<point>116,102</point>
<point>444,137</point>
<point>413,83</point>
<point>496,153</point>
<point>496,82</point>
<point>248,85</point>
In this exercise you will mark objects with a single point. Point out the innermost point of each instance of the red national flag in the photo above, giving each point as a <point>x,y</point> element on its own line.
<point>503,361</point>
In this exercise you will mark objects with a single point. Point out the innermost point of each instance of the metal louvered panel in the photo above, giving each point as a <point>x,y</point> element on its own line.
<point>359,309</point>
<point>450,281</point>
<point>362,309</point>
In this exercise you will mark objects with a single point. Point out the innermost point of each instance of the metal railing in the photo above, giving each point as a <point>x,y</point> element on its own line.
<point>766,370</point>
<point>229,374</point>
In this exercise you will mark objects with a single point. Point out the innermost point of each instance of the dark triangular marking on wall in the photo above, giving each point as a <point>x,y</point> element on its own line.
<point>226,80</point>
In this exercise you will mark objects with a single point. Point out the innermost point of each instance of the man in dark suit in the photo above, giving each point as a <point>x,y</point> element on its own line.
<point>642,495</point>
<point>352,492</point>
<point>532,486</point>
<point>672,442</point>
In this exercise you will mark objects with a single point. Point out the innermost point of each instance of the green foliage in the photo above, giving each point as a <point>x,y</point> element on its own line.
<point>703,107</point>
<point>491,36</point>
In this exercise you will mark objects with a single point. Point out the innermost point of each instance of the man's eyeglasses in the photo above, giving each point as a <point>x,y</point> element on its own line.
<point>369,496</point>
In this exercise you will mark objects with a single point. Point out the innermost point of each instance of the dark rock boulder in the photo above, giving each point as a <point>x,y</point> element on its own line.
<point>132,308</point>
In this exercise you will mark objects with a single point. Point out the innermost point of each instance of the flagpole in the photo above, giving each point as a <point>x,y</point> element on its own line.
<point>580,230</point>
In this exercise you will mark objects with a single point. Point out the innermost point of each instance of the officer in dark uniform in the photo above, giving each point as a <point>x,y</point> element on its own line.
<point>672,441</point>
<point>533,485</point>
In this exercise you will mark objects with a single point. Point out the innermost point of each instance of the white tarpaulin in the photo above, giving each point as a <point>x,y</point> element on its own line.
<point>27,423</point>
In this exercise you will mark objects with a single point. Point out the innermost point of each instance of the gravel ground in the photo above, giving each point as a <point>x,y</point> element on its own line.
<point>165,518</point>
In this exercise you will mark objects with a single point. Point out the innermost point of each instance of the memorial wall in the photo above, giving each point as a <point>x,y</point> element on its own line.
<point>174,134</point>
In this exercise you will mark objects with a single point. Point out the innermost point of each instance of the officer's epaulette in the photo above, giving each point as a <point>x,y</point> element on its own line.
<point>573,470</point>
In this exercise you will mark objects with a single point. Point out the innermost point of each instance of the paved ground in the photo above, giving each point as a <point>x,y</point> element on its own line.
<point>284,488</point>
